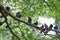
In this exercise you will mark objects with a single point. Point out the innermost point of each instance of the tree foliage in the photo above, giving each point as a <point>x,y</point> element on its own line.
<point>33,9</point>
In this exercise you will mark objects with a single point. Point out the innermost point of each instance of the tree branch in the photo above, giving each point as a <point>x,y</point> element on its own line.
<point>1,7</point>
<point>47,5</point>
<point>2,12</point>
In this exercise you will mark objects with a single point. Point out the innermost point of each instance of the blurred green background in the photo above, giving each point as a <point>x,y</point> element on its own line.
<point>32,8</point>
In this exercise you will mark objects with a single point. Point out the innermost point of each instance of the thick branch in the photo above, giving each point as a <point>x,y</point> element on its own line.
<point>23,21</point>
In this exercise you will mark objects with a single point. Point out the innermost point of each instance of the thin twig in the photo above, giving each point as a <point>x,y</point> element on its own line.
<point>21,31</point>
<point>9,26</point>
<point>47,5</point>
<point>26,2</point>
